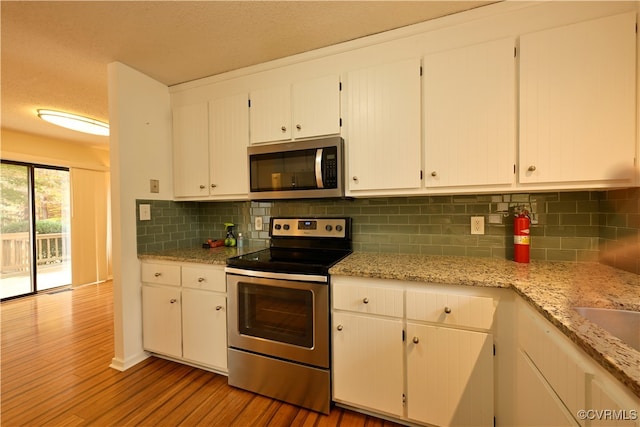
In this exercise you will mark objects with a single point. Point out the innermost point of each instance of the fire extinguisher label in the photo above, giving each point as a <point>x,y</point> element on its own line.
<point>522,240</point>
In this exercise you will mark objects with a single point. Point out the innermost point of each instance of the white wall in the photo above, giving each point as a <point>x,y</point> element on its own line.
<point>140,125</point>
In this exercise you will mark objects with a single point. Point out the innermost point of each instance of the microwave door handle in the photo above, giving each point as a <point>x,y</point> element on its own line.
<point>319,181</point>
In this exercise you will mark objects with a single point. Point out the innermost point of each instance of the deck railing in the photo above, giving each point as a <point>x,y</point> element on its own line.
<point>51,249</point>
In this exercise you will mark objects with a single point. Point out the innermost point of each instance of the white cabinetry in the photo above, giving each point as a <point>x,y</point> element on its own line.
<point>469,115</point>
<point>302,110</point>
<point>210,142</point>
<point>191,150</point>
<point>449,370</point>
<point>184,313</point>
<point>567,380</point>
<point>577,103</point>
<point>382,123</point>
<point>367,346</point>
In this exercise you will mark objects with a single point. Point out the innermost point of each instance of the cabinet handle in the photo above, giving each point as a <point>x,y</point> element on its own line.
<point>202,187</point>
<point>339,327</point>
<point>447,310</point>
<point>434,173</point>
<point>213,186</point>
<point>298,127</point>
<point>173,300</point>
<point>201,279</point>
<point>365,300</point>
<point>158,274</point>
<point>416,340</point>
<point>355,179</point>
<point>531,168</point>
<point>218,307</point>
<point>283,129</point>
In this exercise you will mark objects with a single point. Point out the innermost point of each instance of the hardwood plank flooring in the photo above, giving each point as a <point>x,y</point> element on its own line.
<point>54,371</point>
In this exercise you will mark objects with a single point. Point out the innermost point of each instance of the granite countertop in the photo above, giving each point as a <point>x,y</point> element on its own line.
<point>216,256</point>
<point>552,288</point>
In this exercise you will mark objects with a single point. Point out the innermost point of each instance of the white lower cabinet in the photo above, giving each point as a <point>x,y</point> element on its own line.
<point>558,384</point>
<point>421,369</point>
<point>184,313</point>
<point>449,376</point>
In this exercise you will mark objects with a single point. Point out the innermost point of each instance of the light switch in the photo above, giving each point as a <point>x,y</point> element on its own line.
<point>154,186</point>
<point>145,212</point>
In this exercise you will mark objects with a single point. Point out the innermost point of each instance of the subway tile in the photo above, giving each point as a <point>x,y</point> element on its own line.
<point>561,255</point>
<point>562,207</point>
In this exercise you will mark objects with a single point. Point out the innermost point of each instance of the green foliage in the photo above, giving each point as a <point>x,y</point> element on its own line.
<point>45,226</point>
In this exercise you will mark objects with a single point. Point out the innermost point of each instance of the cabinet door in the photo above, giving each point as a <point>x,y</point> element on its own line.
<point>469,115</point>
<point>577,102</point>
<point>191,150</point>
<point>161,320</point>
<point>383,127</point>
<point>270,114</point>
<point>608,409</point>
<point>229,130</point>
<point>204,327</point>
<point>536,402</point>
<point>368,362</point>
<point>316,107</point>
<point>449,376</point>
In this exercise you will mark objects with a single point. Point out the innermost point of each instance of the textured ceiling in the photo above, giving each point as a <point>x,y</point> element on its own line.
<point>55,53</point>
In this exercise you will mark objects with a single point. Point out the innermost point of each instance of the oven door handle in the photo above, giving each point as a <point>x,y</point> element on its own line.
<point>319,181</point>
<point>280,276</point>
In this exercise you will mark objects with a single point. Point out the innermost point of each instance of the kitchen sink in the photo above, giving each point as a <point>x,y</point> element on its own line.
<point>623,324</point>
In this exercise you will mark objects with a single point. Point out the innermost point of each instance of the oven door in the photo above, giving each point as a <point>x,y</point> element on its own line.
<point>287,319</point>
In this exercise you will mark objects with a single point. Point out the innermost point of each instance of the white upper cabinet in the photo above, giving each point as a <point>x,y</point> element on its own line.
<point>302,110</point>
<point>229,138</point>
<point>577,103</point>
<point>469,115</point>
<point>191,150</point>
<point>383,128</point>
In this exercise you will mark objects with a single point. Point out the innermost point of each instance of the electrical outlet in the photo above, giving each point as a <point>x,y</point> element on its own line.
<point>257,223</point>
<point>145,212</point>
<point>477,225</point>
<point>154,185</point>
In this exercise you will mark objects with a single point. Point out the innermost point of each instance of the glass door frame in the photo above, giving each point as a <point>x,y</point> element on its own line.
<point>31,167</point>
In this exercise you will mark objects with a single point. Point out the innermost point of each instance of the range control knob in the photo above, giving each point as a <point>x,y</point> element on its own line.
<point>286,226</point>
<point>338,228</point>
<point>328,227</point>
<point>277,226</point>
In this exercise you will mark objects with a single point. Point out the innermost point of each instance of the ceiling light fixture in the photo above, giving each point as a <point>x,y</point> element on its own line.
<point>75,122</point>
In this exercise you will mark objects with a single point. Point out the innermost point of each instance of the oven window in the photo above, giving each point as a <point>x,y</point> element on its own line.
<point>277,314</point>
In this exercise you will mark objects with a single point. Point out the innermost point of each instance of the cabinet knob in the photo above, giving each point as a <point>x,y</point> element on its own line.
<point>365,300</point>
<point>355,179</point>
<point>298,127</point>
<point>531,168</point>
<point>218,307</point>
<point>201,279</point>
<point>213,186</point>
<point>447,310</point>
<point>202,187</point>
<point>283,129</point>
<point>173,300</point>
<point>339,327</point>
<point>434,173</point>
<point>416,340</point>
<point>158,274</point>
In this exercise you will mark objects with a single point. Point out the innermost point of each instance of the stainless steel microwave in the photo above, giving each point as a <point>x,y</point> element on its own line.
<point>311,168</point>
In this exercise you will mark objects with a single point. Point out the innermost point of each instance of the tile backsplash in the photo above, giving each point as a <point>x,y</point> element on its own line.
<point>566,226</point>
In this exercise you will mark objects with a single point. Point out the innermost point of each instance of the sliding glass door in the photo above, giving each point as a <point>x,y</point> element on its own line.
<point>35,228</point>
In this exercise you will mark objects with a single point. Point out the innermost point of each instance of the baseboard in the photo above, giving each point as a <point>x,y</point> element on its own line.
<point>123,365</point>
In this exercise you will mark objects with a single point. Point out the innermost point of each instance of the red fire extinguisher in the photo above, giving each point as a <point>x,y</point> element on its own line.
<point>521,237</point>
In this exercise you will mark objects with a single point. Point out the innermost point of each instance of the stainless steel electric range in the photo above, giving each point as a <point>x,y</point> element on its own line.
<point>279,320</point>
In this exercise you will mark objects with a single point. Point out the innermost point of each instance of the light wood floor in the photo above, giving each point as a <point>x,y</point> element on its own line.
<point>54,367</point>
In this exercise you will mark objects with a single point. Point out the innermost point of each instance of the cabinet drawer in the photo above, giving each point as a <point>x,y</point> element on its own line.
<point>163,274</point>
<point>550,352</point>
<point>360,297</point>
<point>202,277</point>
<point>450,309</point>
